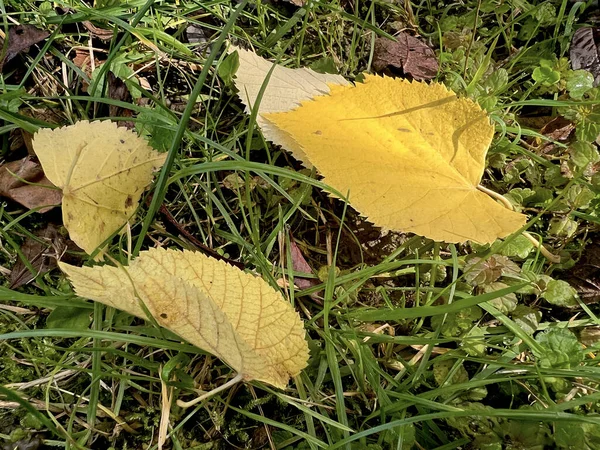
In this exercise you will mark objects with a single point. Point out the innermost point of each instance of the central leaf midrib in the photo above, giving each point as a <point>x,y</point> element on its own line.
<point>106,177</point>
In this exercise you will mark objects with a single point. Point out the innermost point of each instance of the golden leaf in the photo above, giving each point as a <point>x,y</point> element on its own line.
<point>102,170</point>
<point>234,315</point>
<point>286,89</point>
<point>410,155</point>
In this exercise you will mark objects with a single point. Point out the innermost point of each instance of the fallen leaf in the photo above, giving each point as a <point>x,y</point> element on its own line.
<point>235,316</point>
<point>558,129</point>
<point>300,265</point>
<point>101,33</point>
<point>13,178</point>
<point>407,53</point>
<point>585,51</point>
<point>83,60</point>
<point>20,38</point>
<point>286,89</point>
<point>42,253</point>
<point>118,90</point>
<point>410,155</point>
<point>197,34</point>
<point>102,170</point>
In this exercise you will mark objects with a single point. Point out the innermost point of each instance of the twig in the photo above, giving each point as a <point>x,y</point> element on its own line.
<point>190,237</point>
<point>204,396</point>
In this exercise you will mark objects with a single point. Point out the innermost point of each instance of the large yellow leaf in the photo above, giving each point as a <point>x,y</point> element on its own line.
<point>231,314</point>
<point>410,155</point>
<point>102,170</point>
<point>286,89</point>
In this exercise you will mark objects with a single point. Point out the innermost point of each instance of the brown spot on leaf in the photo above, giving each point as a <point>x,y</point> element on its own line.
<point>318,132</point>
<point>128,202</point>
<point>164,316</point>
<point>404,130</point>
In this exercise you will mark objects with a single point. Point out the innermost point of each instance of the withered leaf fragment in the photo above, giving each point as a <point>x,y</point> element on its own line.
<point>558,129</point>
<point>20,38</point>
<point>408,53</point>
<point>300,265</point>
<point>101,33</point>
<point>13,186</point>
<point>42,254</point>
<point>585,51</point>
<point>118,90</point>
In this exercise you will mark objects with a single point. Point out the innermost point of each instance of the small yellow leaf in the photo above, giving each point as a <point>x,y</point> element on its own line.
<point>234,315</point>
<point>410,155</point>
<point>286,89</point>
<point>102,170</point>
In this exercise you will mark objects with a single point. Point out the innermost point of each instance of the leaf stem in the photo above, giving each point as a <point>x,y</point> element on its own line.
<point>543,250</point>
<point>204,396</point>
<point>496,196</point>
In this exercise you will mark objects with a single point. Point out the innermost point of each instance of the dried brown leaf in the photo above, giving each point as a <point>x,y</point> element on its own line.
<point>42,253</point>
<point>20,38</point>
<point>118,90</point>
<point>83,60</point>
<point>409,54</point>
<point>585,51</point>
<point>558,129</point>
<point>13,185</point>
<point>101,33</point>
<point>300,265</point>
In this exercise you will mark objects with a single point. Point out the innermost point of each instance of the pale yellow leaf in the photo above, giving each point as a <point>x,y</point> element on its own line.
<point>102,170</point>
<point>236,316</point>
<point>285,90</point>
<point>410,156</point>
